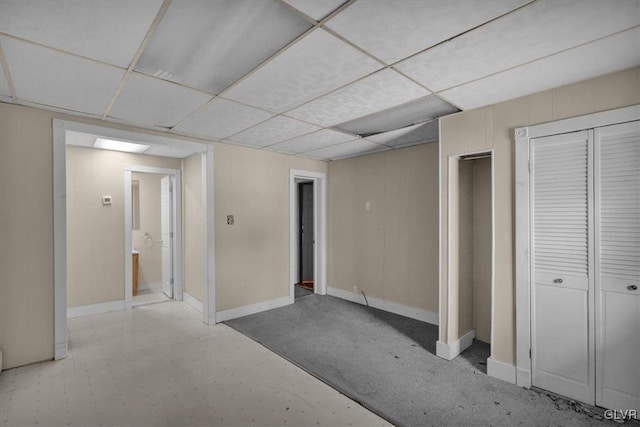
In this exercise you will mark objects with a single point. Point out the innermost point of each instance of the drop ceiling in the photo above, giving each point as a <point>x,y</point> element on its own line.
<point>323,79</point>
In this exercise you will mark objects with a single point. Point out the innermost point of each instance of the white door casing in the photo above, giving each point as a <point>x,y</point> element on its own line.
<point>562,285</point>
<point>617,267</point>
<point>166,231</point>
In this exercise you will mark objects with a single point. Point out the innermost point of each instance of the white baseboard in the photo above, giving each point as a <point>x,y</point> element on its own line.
<point>392,307</point>
<point>103,307</point>
<point>192,301</point>
<point>246,310</point>
<point>523,377</point>
<point>450,351</point>
<point>502,371</point>
<point>60,350</point>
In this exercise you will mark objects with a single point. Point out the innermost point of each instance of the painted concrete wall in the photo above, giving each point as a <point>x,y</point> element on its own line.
<point>95,233</point>
<point>252,256</point>
<point>390,251</point>
<point>492,128</point>
<point>192,218</point>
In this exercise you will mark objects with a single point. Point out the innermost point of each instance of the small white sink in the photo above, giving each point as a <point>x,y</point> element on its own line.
<point>135,251</point>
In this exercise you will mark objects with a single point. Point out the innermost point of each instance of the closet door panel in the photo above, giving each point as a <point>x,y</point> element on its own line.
<point>562,300</point>
<point>617,174</point>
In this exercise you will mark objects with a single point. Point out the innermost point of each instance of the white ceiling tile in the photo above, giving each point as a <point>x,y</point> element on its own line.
<point>313,141</point>
<point>374,93</point>
<point>393,30</point>
<point>225,40</point>
<point>487,50</point>
<point>601,57</point>
<point>418,111</point>
<point>358,147</point>
<point>48,77</point>
<point>410,135</point>
<point>148,101</point>
<point>221,118</point>
<point>107,30</point>
<point>315,65</point>
<point>272,131</point>
<point>317,9</point>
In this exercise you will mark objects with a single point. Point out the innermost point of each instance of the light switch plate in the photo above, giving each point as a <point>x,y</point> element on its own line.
<point>106,200</point>
<point>230,220</point>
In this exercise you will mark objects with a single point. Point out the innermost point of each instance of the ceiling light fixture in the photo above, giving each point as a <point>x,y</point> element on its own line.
<point>112,144</point>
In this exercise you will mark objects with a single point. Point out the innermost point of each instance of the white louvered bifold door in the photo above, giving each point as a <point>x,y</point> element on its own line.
<point>562,293</point>
<point>617,191</point>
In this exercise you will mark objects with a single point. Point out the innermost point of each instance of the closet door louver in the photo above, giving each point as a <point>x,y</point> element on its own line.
<point>617,171</point>
<point>562,300</point>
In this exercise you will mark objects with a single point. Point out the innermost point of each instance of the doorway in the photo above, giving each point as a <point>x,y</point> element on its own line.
<point>152,238</point>
<point>306,239</point>
<point>471,254</point>
<point>157,213</point>
<point>110,242</point>
<point>307,219</point>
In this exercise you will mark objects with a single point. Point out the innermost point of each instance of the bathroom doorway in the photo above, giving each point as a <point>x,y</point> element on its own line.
<point>152,230</point>
<point>152,233</point>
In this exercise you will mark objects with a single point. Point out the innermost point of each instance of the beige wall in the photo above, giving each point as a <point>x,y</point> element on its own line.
<point>193,238</point>
<point>390,251</point>
<point>492,128</point>
<point>252,256</point>
<point>95,233</point>
<point>145,240</point>
<point>26,227</point>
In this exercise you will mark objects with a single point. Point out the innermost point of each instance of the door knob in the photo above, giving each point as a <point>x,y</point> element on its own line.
<point>557,280</point>
<point>632,287</point>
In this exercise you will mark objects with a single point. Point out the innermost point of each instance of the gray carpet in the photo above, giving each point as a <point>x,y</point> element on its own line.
<point>301,292</point>
<point>387,363</point>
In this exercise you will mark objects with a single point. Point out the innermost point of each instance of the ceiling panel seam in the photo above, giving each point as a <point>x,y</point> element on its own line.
<point>315,25</point>
<point>65,52</point>
<point>463,32</point>
<point>635,27</point>
<point>253,70</point>
<point>147,37</point>
<point>7,76</point>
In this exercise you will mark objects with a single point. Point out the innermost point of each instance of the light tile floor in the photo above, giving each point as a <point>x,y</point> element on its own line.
<point>149,296</point>
<point>160,365</point>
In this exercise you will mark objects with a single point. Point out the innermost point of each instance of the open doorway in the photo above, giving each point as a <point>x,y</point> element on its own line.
<point>471,253</point>
<point>152,238</point>
<point>307,219</point>
<point>93,257</point>
<point>475,250</point>
<point>306,239</point>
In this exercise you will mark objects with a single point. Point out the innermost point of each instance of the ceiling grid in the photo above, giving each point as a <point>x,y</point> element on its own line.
<point>325,79</point>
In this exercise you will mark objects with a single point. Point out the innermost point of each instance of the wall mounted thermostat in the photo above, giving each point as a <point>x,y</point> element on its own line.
<point>106,200</point>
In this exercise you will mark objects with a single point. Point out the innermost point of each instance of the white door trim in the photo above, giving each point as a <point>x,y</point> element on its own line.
<point>320,229</point>
<point>176,174</point>
<point>60,128</point>
<point>523,135</point>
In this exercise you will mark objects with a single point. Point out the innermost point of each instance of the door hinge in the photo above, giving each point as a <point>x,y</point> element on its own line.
<point>171,234</point>
<point>529,353</point>
<point>529,165</point>
<point>171,281</point>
